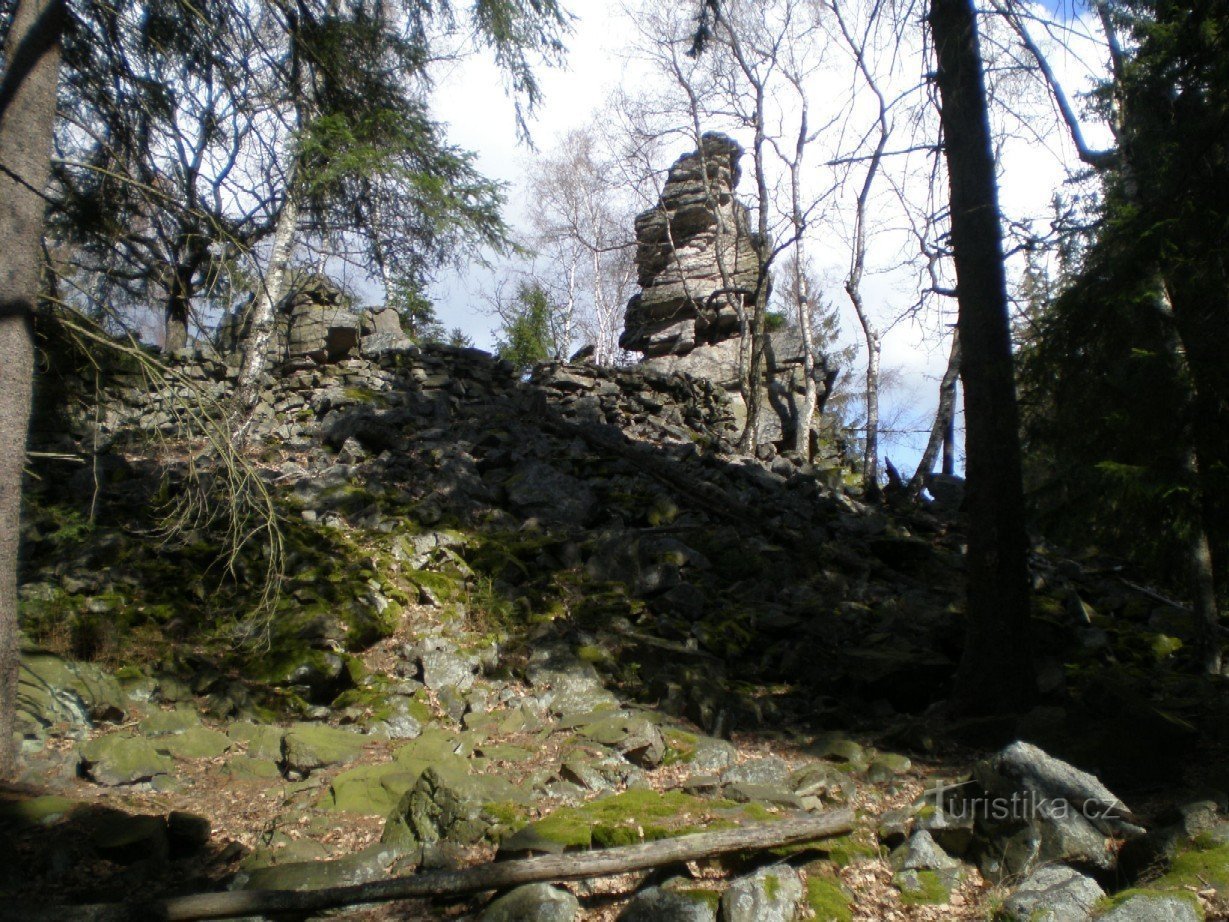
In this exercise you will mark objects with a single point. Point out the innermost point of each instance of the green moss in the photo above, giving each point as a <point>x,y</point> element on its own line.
<point>680,747</point>
<point>828,900</point>
<point>1164,646</point>
<point>624,819</point>
<point>361,394</point>
<point>930,890</point>
<point>506,813</point>
<point>1197,869</point>
<point>845,850</point>
<point>772,887</point>
<point>593,654</point>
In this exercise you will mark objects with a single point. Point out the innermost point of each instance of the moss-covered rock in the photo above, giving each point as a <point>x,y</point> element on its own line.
<point>195,743</point>
<point>307,747</point>
<point>372,790</point>
<point>35,811</point>
<point>827,899</point>
<point>115,759</point>
<point>921,887</point>
<point>677,900</point>
<point>622,819</point>
<point>163,723</point>
<point>447,803</point>
<point>55,691</point>
<point>1148,906</point>
<point>259,740</point>
<point>370,864</point>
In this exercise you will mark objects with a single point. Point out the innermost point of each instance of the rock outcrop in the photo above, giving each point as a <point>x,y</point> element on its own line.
<point>698,268</point>
<point>695,254</point>
<point>313,325</point>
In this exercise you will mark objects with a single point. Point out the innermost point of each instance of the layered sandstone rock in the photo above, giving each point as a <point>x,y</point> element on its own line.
<point>696,257</point>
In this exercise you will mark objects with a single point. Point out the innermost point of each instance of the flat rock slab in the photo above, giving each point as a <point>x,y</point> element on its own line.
<point>162,723</point>
<point>195,743</point>
<point>1054,894</point>
<point>310,746</point>
<point>1148,907</point>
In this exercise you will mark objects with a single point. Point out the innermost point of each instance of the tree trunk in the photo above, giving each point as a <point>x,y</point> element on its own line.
<point>277,274</point>
<point>175,336</point>
<point>996,671</point>
<point>498,875</point>
<point>27,116</point>
<point>945,423</point>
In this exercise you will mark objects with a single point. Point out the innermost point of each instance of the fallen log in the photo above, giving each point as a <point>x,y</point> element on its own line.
<point>494,876</point>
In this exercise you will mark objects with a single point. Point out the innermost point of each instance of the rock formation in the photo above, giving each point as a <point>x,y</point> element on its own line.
<point>695,254</point>
<point>699,265</point>
<point>313,325</point>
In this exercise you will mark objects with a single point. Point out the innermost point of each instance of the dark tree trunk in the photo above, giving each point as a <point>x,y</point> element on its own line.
<point>942,432</point>
<point>175,335</point>
<point>996,671</point>
<point>27,115</point>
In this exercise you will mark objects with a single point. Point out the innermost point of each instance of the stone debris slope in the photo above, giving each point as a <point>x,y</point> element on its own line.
<point>525,615</point>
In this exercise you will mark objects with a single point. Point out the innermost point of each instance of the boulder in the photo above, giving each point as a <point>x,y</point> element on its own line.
<point>446,803</point>
<point>1054,893</point>
<point>114,760</point>
<point>307,747</point>
<point>1036,809</point>
<point>771,894</point>
<point>533,903</point>
<point>673,901</point>
<point>1155,907</point>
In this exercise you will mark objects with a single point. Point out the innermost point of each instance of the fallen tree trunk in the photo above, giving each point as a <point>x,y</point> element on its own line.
<point>495,876</point>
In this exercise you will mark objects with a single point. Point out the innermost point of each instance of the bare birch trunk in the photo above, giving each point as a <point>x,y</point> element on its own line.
<point>256,350</point>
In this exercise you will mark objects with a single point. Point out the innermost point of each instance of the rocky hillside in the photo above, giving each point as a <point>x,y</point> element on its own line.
<point>460,615</point>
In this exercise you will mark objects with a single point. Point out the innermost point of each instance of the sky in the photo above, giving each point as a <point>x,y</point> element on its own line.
<point>481,117</point>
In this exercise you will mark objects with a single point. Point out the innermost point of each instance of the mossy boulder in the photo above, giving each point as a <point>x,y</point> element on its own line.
<point>1054,893</point>
<point>1154,907</point>
<point>195,743</point>
<point>307,747</point>
<point>447,803</point>
<point>164,723</point>
<point>260,740</point>
<point>114,760</point>
<point>55,691</point>
<point>827,899</point>
<point>635,738</point>
<point>372,790</point>
<point>35,811</point>
<point>370,864</point>
<point>924,887</point>
<point>622,819</point>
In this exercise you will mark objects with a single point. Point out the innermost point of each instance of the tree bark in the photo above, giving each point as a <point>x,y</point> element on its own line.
<point>256,349</point>
<point>497,876</point>
<point>27,116</point>
<point>996,672</point>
